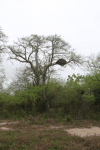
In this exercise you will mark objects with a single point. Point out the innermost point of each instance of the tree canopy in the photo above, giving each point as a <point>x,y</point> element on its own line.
<point>43,52</point>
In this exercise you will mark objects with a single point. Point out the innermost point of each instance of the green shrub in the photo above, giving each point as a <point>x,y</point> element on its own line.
<point>68,118</point>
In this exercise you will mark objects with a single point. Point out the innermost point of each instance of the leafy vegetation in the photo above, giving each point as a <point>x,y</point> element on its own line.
<point>72,102</point>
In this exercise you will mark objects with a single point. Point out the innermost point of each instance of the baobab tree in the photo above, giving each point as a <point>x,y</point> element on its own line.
<point>42,53</point>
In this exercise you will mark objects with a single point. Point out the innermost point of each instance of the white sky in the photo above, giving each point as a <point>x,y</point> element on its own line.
<point>77,21</point>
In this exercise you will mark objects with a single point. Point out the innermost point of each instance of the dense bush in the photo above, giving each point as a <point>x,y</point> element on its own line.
<point>93,84</point>
<point>96,93</point>
<point>73,98</point>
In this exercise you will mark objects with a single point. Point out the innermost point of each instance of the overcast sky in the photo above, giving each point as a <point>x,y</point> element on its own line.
<point>77,21</point>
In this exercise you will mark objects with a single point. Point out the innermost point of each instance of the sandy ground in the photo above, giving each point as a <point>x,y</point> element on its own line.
<point>82,132</point>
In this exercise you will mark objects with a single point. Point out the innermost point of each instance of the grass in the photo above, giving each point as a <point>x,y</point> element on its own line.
<point>36,134</point>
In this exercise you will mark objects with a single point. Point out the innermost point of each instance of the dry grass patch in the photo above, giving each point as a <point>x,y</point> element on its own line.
<point>38,134</point>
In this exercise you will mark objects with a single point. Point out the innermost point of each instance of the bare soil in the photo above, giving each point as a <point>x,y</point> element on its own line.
<point>73,129</point>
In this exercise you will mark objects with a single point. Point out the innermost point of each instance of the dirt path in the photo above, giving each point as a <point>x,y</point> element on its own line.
<point>92,130</point>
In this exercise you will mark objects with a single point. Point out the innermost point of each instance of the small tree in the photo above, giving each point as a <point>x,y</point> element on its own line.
<point>3,40</point>
<point>93,79</point>
<point>93,64</point>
